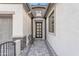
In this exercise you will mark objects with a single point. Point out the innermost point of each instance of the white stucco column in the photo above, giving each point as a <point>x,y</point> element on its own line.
<point>18,47</point>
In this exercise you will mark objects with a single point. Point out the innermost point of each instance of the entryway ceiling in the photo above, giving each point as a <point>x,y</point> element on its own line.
<point>38,9</point>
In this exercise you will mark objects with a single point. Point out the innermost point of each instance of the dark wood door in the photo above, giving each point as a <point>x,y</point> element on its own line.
<point>38,29</point>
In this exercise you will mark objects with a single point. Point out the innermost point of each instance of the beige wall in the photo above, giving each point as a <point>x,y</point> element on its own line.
<point>16,11</point>
<point>66,40</point>
<point>20,19</point>
<point>21,23</point>
<point>26,24</point>
<point>17,17</point>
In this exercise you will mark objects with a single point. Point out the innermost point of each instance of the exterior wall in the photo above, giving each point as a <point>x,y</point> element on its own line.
<point>26,24</point>
<point>43,29</point>
<point>21,20</point>
<point>66,40</point>
<point>21,23</point>
<point>17,17</point>
<point>17,22</point>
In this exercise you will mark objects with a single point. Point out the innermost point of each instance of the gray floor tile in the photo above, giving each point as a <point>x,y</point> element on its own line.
<point>37,49</point>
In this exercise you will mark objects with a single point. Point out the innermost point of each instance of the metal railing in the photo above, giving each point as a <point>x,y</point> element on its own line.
<point>8,49</point>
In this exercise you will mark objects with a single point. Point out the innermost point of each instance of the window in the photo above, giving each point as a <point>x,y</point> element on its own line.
<point>51,22</point>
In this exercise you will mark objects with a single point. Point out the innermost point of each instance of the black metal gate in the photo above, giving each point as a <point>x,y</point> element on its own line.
<point>8,49</point>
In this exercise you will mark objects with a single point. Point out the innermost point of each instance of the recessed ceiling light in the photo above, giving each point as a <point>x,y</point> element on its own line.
<point>38,13</point>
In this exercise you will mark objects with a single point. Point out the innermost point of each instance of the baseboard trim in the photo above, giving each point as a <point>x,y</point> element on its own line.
<point>50,49</point>
<point>18,38</point>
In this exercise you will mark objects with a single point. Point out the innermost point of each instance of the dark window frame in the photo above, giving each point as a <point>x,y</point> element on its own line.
<point>51,22</point>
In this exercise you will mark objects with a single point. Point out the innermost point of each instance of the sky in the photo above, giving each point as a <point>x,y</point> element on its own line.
<point>39,4</point>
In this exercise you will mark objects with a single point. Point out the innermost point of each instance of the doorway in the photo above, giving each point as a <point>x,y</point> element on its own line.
<point>38,29</point>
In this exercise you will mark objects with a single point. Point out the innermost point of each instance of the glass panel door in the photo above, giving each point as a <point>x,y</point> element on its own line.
<point>38,29</point>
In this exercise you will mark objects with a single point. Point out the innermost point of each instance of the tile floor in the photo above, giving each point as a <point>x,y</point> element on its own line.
<point>39,48</point>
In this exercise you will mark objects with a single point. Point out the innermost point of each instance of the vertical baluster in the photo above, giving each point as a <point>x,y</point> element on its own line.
<point>6,49</point>
<point>14,49</point>
<point>3,49</point>
<point>0,50</point>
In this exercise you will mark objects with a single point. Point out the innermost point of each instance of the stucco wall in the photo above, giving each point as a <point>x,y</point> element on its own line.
<point>26,24</point>
<point>17,17</point>
<point>66,40</point>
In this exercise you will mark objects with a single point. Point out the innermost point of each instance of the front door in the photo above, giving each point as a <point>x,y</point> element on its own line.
<point>38,29</point>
